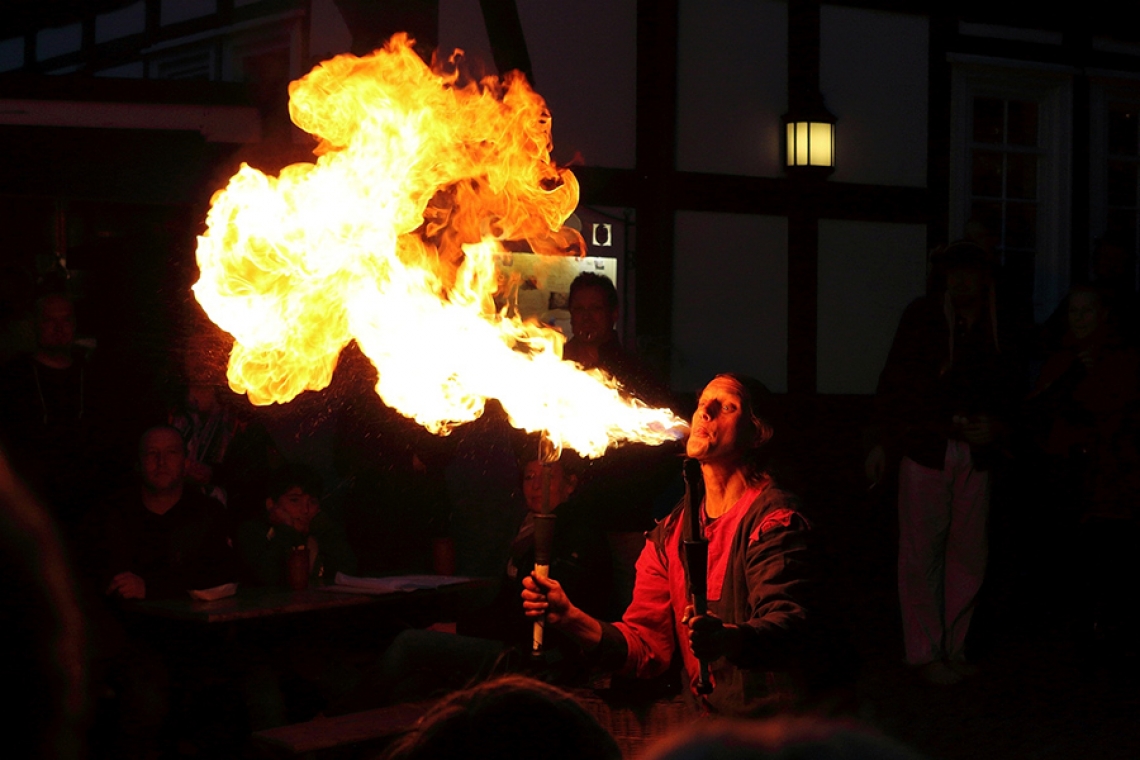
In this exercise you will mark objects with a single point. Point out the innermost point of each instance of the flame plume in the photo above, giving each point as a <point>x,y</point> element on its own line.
<point>389,239</point>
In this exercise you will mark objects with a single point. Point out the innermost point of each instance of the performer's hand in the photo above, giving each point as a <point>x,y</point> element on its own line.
<point>127,585</point>
<point>710,638</point>
<point>545,597</point>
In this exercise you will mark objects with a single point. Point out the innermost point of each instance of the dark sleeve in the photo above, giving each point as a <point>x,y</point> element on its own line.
<point>201,555</point>
<point>115,537</point>
<point>263,553</point>
<point>334,553</point>
<point>612,651</point>
<point>907,395</point>
<point>780,583</point>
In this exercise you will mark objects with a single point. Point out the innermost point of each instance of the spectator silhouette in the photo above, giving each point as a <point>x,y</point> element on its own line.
<point>294,517</point>
<point>579,559</point>
<point>45,631</point>
<point>229,454</point>
<point>1087,405</point>
<point>160,538</point>
<point>509,718</point>
<point>941,403</point>
<point>52,416</point>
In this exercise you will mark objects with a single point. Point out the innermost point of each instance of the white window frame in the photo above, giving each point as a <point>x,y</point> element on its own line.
<point>1103,89</point>
<point>1051,88</point>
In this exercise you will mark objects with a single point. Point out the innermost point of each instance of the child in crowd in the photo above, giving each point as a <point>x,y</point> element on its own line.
<point>293,518</point>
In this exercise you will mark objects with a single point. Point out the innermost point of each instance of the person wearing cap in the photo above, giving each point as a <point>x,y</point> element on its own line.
<point>940,405</point>
<point>761,623</point>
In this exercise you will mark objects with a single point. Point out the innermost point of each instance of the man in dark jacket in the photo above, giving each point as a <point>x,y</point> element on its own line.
<point>941,403</point>
<point>160,539</point>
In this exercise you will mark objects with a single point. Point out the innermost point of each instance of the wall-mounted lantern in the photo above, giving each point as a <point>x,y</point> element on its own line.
<point>809,140</point>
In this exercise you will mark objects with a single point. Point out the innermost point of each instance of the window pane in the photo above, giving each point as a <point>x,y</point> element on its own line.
<point>1122,128</point>
<point>1122,183</point>
<point>988,120</point>
<point>986,179</point>
<point>1021,175</point>
<point>1021,225</point>
<point>987,211</point>
<point>1022,123</point>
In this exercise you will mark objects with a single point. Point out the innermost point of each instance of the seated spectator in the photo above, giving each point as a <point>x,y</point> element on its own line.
<point>159,538</point>
<point>579,560</point>
<point>293,517</point>
<point>229,454</point>
<point>509,718</point>
<point>421,664</point>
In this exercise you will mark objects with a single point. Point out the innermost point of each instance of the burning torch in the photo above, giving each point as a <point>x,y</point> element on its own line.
<point>697,557</point>
<point>548,454</point>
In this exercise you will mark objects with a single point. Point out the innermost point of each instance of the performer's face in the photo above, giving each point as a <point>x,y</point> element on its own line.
<point>721,426</point>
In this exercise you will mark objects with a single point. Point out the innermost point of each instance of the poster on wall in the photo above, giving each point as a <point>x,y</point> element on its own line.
<point>540,285</point>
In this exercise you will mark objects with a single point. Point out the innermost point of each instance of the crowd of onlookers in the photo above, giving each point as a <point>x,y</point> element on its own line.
<point>148,498</point>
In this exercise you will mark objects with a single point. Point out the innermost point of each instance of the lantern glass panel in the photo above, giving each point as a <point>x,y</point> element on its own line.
<point>821,144</point>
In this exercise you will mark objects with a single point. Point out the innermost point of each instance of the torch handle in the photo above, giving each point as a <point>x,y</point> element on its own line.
<point>543,541</point>
<point>697,554</point>
<point>542,572</point>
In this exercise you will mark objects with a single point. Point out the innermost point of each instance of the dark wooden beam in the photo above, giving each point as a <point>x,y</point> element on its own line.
<point>655,162</point>
<point>505,32</point>
<point>943,31</point>
<point>803,293</point>
<point>803,209</point>
<point>1078,45</point>
<point>372,23</point>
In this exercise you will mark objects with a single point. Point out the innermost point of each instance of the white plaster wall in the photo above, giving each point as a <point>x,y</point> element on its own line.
<point>11,53</point>
<point>584,57</point>
<point>730,298</point>
<point>732,86</point>
<point>461,27</point>
<point>873,73</point>
<point>173,11</point>
<point>328,34</point>
<point>120,23</point>
<point>868,273</point>
<point>58,41</point>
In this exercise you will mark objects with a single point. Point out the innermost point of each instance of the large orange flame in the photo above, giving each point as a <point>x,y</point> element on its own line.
<point>390,238</point>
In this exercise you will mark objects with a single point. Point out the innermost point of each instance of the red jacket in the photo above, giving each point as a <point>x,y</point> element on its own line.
<point>758,577</point>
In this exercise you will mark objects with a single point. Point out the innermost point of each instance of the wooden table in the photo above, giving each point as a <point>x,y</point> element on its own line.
<point>251,603</point>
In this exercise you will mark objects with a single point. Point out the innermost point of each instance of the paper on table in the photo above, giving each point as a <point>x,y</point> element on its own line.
<point>215,593</point>
<point>393,584</point>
